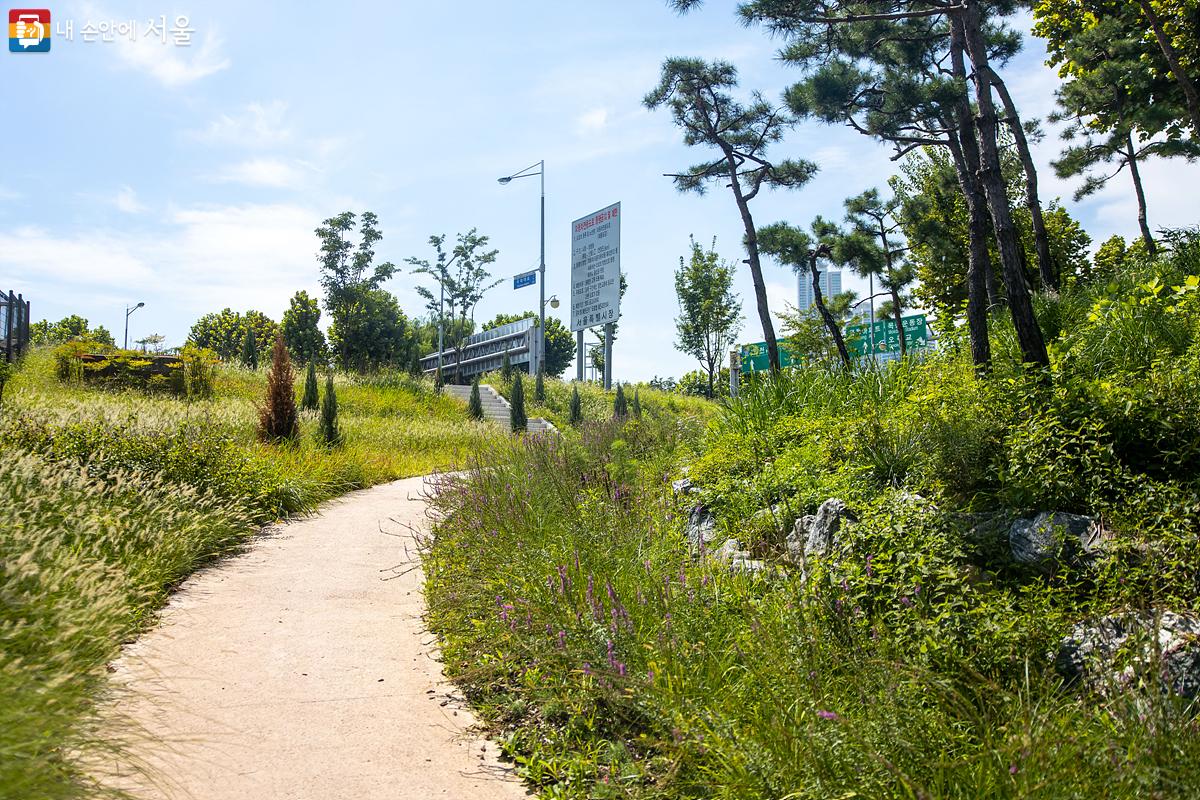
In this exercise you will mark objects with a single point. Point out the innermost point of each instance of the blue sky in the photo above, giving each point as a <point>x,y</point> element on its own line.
<point>191,178</point>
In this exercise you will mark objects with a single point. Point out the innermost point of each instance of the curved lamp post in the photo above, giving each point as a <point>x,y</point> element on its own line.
<point>129,311</point>
<point>529,173</point>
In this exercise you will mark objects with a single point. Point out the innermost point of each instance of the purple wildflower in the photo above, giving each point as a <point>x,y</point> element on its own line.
<point>829,715</point>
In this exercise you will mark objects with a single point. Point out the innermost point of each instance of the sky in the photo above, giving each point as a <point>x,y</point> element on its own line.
<point>191,177</point>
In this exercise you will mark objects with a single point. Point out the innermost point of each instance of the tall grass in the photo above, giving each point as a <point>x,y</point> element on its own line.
<point>112,497</point>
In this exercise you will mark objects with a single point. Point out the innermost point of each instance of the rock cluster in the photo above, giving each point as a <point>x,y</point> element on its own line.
<point>1125,650</point>
<point>814,535</point>
<point>1054,536</point>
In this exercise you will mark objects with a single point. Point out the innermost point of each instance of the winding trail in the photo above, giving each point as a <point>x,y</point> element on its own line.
<point>301,669</point>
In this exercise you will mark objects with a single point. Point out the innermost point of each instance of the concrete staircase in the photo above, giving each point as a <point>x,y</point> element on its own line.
<point>496,409</point>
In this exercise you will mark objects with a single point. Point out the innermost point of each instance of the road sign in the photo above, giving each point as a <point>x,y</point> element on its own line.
<point>886,338</point>
<point>525,279</point>
<point>754,357</point>
<point>596,268</point>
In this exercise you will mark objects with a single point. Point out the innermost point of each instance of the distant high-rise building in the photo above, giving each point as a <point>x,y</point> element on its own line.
<point>831,284</point>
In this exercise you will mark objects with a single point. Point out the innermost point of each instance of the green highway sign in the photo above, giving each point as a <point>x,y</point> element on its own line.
<point>886,338</point>
<point>754,357</point>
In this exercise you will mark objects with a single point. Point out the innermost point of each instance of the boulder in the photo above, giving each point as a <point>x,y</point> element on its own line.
<point>701,530</point>
<point>1054,536</point>
<point>730,551</point>
<point>683,486</point>
<point>1121,651</point>
<point>814,535</point>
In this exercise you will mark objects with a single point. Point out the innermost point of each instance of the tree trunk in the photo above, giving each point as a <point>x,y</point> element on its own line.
<point>965,151</point>
<point>1190,93</point>
<point>1046,266</point>
<point>1029,334</point>
<point>756,275</point>
<point>819,301</point>
<point>1132,157</point>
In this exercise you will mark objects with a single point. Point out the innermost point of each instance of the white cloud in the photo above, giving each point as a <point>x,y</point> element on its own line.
<point>7,194</point>
<point>256,125</point>
<point>267,172</point>
<point>170,64</point>
<point>126,200</point>
<point>591,122</point>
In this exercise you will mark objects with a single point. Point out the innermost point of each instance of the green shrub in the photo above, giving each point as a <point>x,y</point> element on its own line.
<point>575,415</point>
<point>331,435</point>
<point>311,400</point>
<point>517,417</point>
<point>475,404</point>
<point>620,405</point>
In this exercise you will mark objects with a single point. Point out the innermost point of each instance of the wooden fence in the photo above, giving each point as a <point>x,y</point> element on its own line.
<point>14,324</point>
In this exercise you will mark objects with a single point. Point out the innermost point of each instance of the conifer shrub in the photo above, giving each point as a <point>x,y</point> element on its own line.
<point>575,415</point>
<point>506,370</point>
<point>250,350</point>
<point>475,404</point>
<point>620,404</point>
<point>519,421</point>
<point>277,419</point>
<point>330,434</point>
<point>636,406</point>
<point>312,398</point>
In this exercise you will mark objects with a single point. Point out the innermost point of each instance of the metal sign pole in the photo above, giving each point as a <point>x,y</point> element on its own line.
<point>579,356</point>
<point>608,337</point>
<point>735,372</point>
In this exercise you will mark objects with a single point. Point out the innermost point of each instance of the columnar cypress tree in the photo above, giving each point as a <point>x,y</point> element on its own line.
<point>539,389</point>
<point>329,415</point>
<point>250,349</point>
<point>620,405</point>
<point>636,405</point>
<point>311,399</point>
<point>576,413</point>
<point>506,369</point>
<point>277,419</point>
<point>519,421</point>
<point>475,405</point>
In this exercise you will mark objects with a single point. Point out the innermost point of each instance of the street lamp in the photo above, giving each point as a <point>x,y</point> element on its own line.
<point>129,311</point>
<point>528,173</point>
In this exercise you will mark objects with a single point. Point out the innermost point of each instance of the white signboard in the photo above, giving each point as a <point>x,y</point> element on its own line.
<point>596,268</point>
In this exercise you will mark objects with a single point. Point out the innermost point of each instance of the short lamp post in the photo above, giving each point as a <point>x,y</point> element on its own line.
<point>129,311</point>
<point>528,173</point>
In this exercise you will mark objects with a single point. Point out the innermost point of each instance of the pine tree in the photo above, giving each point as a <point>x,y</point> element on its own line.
<point>620,405</point>
<point>519,421</point>
<point>636,405</point>
<point>539,389</point>
<point>311,399</point>
<point>576,413</point>
<point>250,349</point>
<point>329,415</point>
<point>277,419</point>
<point>475,405</point>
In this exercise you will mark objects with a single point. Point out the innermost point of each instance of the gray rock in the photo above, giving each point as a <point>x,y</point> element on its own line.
<point>730,551</point>
<point>1125,650</point>
<point>683,486</point>
<point>814,535</point>
<point>748,566</point>
<point>1055,536</point>
<point>986,529</point>
<point>701,530</point>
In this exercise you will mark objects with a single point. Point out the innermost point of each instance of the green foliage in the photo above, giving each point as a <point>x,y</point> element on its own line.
<point>250,350</point>
<point>311,400</point>
<point>304,339</point>
<point>635,406</point>
<point>225,332</point>
<point>695,384</point>
<point>560,342</point>
<point>66,329</point>
<point>6,371</point>
<point>517,416</point>
<point>709,312</point>
<point>475,404</point>
<point>506,369</point>
<point>620,405</point>
<point>191,374</point>
<point>331,434</point>
<point>575,414</point>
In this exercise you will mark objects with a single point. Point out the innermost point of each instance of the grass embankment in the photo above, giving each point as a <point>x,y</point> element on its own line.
<point>915,662</point>
<point>112,498</point>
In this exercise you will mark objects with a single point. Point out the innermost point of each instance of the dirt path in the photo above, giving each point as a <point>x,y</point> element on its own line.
<point>297,671</point>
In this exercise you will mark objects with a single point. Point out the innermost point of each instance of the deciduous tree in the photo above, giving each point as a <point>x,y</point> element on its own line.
<point>710,314</point>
